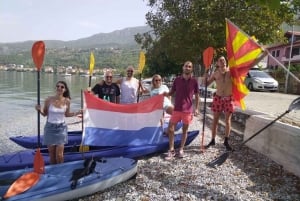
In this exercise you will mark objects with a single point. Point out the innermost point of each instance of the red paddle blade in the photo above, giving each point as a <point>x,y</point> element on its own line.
<point>38,52</point>
<point>38,162</point>
<point>22,184</point>
<point>208,56</point>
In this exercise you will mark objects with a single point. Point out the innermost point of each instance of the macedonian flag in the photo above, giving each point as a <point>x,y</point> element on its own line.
<point>243,52</point>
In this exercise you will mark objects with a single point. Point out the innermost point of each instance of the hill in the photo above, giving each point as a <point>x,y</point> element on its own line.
<point>115,49</point>
<point>117,39</point>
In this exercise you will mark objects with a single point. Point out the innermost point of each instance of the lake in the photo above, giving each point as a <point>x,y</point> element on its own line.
<point>18,97</point>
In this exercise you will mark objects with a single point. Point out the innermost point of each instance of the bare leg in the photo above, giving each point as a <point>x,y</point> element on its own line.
<point>214,129</point>
<point>171,136</point>
<point>228,116</point>
<point>60,153</point>
<point>184,136</point>
<point>52,153</point>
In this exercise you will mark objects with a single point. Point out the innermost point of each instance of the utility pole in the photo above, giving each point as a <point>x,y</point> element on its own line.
<point>289,65</point>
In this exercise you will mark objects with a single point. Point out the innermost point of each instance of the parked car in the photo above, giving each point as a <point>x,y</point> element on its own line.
<point>260,81</point>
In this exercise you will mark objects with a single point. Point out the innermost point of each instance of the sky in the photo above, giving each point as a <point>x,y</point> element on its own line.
<point>22,20</point>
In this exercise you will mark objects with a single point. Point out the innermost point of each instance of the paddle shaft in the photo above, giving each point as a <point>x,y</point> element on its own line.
<point>269,124</point>
<point>38,113</point>
<point>138,91</point>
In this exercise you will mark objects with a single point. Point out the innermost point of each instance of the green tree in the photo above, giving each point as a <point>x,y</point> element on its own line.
<point>182,29</point>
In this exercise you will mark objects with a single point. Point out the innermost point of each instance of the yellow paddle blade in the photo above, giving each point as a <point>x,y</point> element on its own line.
<point>84,148</point>
<point>92,63</point>
<point>22,184</point>
<point>142,62</point>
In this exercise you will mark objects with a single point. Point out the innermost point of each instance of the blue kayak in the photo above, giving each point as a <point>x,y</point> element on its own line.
<point>70,180</point>
<point>23,159</point>
<point>74,138</point>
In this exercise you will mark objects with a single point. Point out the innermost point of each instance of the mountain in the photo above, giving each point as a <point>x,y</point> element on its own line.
<point>117,39</point>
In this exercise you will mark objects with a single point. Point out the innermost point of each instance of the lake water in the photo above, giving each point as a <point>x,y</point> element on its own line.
<point>18,96</point>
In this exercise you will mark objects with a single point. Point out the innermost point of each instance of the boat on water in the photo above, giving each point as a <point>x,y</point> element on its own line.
<point>74,138</point>
<point>71,180</point>
<point>23,159</point>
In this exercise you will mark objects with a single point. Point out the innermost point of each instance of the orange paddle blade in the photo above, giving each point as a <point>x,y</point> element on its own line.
<point>208,56</point>
<point>38,162</point>
<point>22,184</point>
<point>38,52</point>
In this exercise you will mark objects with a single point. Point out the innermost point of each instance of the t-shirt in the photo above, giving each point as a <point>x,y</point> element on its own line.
<point>129,89</point>
<point>107,92</point>
<point>160,90</point>
<point>184,91</point>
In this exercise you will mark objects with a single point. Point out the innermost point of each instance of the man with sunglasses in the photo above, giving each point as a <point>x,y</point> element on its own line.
<point>130,87</point>
<point>107,90</point>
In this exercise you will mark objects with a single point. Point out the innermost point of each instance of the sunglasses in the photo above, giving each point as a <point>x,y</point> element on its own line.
<point>60,86</point>
<point>157,80</point>
<point>108,76</point>
<point>129,71</point>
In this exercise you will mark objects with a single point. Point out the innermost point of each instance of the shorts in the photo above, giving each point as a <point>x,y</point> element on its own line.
<point>55,134</point>
<point>186,118</point>
<point>221,104</point>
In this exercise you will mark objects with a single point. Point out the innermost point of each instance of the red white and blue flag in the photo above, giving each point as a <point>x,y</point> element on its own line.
<point>109,124</point>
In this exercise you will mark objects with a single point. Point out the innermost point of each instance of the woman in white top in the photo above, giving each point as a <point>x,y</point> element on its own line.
<point>56,108</point>
<point>159,88</point>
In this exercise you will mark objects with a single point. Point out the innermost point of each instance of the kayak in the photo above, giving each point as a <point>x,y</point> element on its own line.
<point>74,138</point>
<point>69,180</point>
<point>24,158</point>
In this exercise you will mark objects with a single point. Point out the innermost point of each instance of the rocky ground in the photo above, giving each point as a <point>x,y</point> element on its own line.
<point>245,175</point>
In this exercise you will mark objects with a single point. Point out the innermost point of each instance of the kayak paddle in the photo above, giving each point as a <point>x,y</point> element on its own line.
<point>295,105</point>
<point>29,179</point>
<point>207,60</point>
<point>142,60</point>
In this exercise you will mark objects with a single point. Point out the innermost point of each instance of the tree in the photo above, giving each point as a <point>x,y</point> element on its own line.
<point>184,28</point>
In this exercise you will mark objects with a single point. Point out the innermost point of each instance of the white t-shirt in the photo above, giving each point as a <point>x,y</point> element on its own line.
<point>129,89</point>
<point>160,90</point>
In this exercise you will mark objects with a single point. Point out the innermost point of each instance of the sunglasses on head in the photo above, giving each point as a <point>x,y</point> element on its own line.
<point>60,86</point>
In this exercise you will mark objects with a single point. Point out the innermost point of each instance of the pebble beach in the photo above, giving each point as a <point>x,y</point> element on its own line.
<point>245,176</point>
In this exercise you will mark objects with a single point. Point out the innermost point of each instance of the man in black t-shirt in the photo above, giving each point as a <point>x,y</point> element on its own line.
<point>108,91</point>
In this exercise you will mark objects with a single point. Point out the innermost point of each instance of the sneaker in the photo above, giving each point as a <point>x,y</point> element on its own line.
<point>170,155</point>
<point>228,147</point>
<point>212,143</point>
<point>180,154</point>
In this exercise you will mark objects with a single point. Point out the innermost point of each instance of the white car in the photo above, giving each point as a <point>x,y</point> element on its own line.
<point>260,81</point>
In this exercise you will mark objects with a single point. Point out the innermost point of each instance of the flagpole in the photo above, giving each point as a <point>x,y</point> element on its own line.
<point>290,56</point>
<point>280,64</point>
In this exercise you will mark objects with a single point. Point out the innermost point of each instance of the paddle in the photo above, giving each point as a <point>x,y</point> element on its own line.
<point>142,61</point>
<point>84,148</point>
<point>207,60</point>
<point>38,52</point>
<point>29,179</point>
<point>295,105</point>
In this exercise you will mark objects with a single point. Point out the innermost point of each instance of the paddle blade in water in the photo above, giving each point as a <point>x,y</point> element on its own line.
<point>38,52</point>
<point>208,56</point>
<point>22,184</point>
<point>38,162</point>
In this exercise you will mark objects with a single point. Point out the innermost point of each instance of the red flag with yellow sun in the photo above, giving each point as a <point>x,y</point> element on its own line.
<point>243,53</point>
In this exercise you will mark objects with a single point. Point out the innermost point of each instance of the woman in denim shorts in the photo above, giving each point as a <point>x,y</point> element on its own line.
<point>56,108</point>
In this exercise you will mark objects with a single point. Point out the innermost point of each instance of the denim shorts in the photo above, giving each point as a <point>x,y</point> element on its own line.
<point>55,134</point>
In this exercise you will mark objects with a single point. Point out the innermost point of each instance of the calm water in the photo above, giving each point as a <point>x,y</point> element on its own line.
<point>18,96</point>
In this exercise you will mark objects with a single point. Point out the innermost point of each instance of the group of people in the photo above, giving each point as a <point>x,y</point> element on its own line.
<point>126,90</point>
